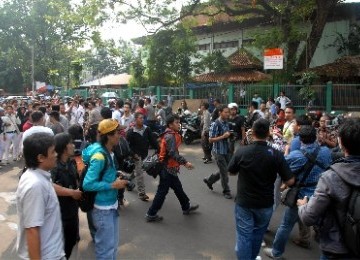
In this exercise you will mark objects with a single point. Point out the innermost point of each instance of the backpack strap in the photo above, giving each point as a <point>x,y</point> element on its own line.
<point>102,173</point>
<point>309,165</point>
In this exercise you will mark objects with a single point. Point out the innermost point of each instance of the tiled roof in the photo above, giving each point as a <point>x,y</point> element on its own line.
<point>236,76</point>
<point>344,67</point>
<point>242,59</point>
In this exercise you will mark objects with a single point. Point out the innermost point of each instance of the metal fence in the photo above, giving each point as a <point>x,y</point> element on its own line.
<point>329,96</point>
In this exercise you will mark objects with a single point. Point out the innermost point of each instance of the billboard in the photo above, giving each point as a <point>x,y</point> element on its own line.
<point>273,59</point>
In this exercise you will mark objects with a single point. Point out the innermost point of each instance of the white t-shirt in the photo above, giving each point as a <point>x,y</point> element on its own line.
<point>117,115</point>
<point>38,206</point>
<point>37,129</point>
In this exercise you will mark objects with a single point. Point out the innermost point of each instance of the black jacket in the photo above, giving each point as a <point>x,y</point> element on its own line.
<point>140,141</point>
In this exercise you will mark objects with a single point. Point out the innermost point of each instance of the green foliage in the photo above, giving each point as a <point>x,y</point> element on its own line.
<point>213,62</point>
<point>169,55</point>
<point>137,71</point>
<point>307,92</point>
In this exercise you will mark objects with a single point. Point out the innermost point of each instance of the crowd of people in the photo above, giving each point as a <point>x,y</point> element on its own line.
<point>271,149</point>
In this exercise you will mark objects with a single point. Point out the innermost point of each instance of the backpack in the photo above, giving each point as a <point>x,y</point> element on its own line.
<point>86,203</point>
<point>351,227</point>
<point>152,164</point>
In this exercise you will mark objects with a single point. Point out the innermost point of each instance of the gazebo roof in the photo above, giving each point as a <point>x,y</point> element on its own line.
<point>344,67</point>
<point>242,59</point>
<point>234,76</point>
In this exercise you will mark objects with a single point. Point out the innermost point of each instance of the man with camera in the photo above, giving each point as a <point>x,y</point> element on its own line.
<point>236,124</point>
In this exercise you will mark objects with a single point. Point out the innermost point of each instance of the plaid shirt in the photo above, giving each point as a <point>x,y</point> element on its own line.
<point>218,128</point>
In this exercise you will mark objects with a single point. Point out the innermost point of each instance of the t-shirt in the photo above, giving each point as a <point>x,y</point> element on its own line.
<point>150,112</point>
<point>38,206</point>
<point>117,115</point>
<point>37,129</point>
<point>257,166</point>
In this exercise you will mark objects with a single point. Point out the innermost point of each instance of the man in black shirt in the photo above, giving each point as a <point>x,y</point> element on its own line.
<point>257,166</point>
<point>236,125</point>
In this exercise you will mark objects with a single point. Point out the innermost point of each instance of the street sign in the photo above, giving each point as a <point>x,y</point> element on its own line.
<point>273,59</point>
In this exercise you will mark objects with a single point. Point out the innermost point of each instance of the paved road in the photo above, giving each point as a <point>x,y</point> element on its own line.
<point>208,234</point>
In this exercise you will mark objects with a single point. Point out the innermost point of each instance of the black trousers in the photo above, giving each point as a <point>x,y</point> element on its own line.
<point>168,181</point>
<point>206,145</point>
<point>71,229</point>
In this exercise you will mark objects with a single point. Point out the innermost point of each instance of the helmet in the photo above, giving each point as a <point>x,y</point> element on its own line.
<point>232,105</point>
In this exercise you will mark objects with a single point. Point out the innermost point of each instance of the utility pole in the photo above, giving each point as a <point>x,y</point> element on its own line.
<point>32,70</point>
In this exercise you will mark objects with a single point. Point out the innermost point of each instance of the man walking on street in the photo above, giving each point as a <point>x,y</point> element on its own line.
<point>205,122</point>
<point>218,136</point>
<point>255,189</point>
<point>169,154</point>
<point>140,138</point>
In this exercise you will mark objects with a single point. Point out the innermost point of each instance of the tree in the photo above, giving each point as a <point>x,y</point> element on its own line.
<point>169,53</point>
<point>213,62</point>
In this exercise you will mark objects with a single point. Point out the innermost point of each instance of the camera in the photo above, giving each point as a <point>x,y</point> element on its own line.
<point>123,176</point>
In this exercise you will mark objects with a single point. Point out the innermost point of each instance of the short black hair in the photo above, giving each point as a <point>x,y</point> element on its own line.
<point>261,128</point>
<point>291,107</point>
<point>307,134</point>
<point>254,104</point>
<point>42,109</point>
<point>55,108</point>
<point>141,103</point>
<point>206,105</point>
<point>36,116</point>
<point>137,114</point>
<point>106,113</point>
<point>35,145</point>
<point>55,115</point>
<point>128,104</point>
<point>61,141</point>
<point>349,134</point>
<point>217,100</point>
<point>303,120</point>
<point>119,103</point>
<point>171,119</point>
<point>148,100</point>
<point>222,108</point>
<point>76,131</point>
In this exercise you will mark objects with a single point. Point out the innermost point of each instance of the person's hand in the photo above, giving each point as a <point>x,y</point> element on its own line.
<point>76,194</point>
<point>283,187</point>
<point>189,166</point>
<point>302,202</point>
<point>119,184</point>
<point>226,135</point>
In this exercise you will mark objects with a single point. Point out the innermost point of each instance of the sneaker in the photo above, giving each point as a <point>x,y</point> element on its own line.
<point>143,197</point>
<point>207,161</point>
<point>268,253</point>
<point>302,243</point>
<point>191,209</point>
<point>227,195</point>
<point>208,184</point>
<point>155,218</point>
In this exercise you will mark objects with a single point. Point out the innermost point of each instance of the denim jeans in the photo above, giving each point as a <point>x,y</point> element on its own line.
<point>283,233</point>
<point>222,161</point>
<point>106,223</point>
<point>251,225</point>
<point>168,181</point>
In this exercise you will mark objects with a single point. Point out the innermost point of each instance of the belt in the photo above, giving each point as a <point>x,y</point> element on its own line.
<point>11,132</point>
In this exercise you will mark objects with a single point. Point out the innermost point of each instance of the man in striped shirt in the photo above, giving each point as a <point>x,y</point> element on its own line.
<point>218,135</point>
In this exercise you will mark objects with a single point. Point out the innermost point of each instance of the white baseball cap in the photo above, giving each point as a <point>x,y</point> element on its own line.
<point>232,105</point>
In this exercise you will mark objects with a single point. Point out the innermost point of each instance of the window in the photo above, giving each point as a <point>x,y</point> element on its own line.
<point>204,47</point>
<point>225,45</point>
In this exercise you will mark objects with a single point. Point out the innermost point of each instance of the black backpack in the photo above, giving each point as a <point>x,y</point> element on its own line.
<point>86,203</point>
<point>351,227</point>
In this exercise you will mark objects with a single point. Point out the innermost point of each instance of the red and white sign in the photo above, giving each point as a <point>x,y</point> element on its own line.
<point>273,59</point>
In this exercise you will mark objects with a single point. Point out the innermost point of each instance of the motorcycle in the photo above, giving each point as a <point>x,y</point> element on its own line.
<point>190,129</point>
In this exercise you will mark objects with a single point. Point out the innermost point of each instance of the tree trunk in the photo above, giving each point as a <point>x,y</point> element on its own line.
<point>324,8</point>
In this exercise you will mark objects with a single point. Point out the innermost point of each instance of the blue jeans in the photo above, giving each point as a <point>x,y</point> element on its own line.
<point>288,222</point>
<point>251,225</point>
<point>168,181</point>
<point>106,223</point>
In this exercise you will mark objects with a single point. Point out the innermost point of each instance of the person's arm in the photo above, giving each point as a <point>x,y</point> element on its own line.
<point>285,172</point>
<point>213,134</point>
<point>310,212</point>
<point>33,242</point>
<point>66,192</point>
<point>233,167</point>
<point>207,118</point>
<point>172,151</point>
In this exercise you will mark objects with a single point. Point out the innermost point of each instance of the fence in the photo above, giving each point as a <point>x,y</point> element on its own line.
<point>327,97</point>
